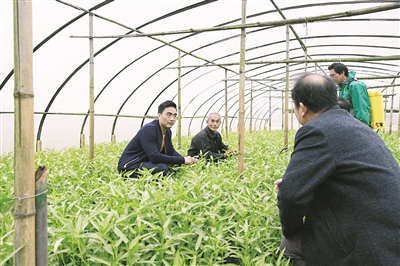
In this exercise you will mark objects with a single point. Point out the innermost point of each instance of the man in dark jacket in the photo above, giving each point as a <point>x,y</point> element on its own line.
<point>152,147</point>
<point>208,142</point>
<point>338,199</point>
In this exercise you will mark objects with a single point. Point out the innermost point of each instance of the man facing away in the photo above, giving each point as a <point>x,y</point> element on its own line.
<point>208,142</point>
<point>338,199</point>
<point>152,147</point>
<point>352,90</point>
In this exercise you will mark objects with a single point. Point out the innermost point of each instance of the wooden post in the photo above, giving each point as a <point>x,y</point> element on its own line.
<point>241,89</point>
<point>91,88</point>
<point>270,110</point>
<point>24,144</point>
<point>226,104</point>
<point>39,145</point>
<point>82,140</point>
<point>251,107</point>
<point>41,216</point>
<point>285,142</point>
<point>179,129</point>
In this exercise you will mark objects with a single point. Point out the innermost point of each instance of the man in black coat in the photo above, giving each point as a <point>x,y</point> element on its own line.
<point>339,198</point>
<point>208,142</point>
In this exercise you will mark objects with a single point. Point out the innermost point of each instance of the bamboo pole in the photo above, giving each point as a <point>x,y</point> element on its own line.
<point>286,107</point>
<point>301,20</point>
<point>398,115</point>
<point>41,216</point>
<point>179,130</point>
<point>391,109</point>
<point>295,61</point>
<point>241,90</point>
<point>39,146</point>
<point>226,104</point>
<point>270,111</point>
<point>91,89</point>
<point>24,144</point>
<point>82,140</point>
<point>251,107</point>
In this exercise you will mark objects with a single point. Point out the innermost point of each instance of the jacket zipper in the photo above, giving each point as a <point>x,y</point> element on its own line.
<point>131,161</point>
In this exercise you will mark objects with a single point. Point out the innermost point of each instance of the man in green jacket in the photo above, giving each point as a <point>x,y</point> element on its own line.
<point>352,90</point>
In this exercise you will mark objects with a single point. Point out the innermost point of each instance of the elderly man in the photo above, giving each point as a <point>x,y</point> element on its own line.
<point>152,147</point>
<point>208,142</point>
<point>338,199</point>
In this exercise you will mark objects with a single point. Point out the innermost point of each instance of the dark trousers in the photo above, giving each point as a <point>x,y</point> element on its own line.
<point>293,249</point>
<point>156,167</point>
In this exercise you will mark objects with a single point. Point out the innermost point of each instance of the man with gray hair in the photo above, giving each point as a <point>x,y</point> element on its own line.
<point>208,142</point>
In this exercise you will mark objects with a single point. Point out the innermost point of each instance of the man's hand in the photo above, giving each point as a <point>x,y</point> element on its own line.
<point>190,160</point>
<point>276,183</point>
<point>230,153</point>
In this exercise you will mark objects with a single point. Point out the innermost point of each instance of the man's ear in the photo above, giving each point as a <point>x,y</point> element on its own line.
<point>303,110</point>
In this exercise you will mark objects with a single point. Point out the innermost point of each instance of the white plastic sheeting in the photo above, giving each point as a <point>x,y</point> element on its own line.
<point>132,75</point>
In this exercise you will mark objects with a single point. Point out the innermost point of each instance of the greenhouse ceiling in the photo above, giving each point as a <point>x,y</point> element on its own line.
<point>145,52</point>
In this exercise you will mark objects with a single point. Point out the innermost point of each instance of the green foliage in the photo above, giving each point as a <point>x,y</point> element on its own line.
<point>202,214</point>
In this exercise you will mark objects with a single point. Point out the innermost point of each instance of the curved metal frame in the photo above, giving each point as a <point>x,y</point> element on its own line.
<point>278,84</point>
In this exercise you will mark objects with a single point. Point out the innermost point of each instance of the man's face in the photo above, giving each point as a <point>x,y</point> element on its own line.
<point>337,78</point>
<point>167,118</point>
<point>213,122</point>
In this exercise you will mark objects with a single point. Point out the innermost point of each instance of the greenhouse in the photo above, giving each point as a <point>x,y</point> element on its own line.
<point>79,79</point>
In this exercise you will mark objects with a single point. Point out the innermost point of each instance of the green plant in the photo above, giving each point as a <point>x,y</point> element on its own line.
<point>201,214</point>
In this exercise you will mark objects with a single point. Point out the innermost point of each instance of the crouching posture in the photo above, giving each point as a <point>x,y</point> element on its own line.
<point>152,147</point>
<point>339,196</point>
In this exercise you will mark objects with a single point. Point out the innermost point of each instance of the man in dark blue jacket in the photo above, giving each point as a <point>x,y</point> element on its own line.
<point>152,147</point>
<point>339,196</point>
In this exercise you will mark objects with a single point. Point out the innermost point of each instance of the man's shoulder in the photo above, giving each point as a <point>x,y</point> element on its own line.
<point>149,127</point>
<point>356,83</point>
<point>201,133</point>
<point>152,124</point>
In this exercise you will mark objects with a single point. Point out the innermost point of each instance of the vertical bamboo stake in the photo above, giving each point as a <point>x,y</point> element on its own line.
<point>82,140</point>
<point>226,103</point>
<point>285,142</point>
<point>398,117</point>
<point>24,144</point>
<point>91,88</point>
<point>251,106</point>
<point>283,110</point>
<point>41,216</point>
<point>241,89</point>
<point>391,110</point>
<point>39,145</point>
<point>179,101</point>
<point>291,117</point>
<point>270,110</point>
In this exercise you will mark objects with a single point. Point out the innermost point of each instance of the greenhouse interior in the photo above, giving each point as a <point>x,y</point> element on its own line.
<point>79,79</point>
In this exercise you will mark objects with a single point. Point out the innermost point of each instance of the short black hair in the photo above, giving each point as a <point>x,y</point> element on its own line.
<point>315,93</point>
<point>164,105</point>
<point>344,104</point>
<point>339,68</point>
